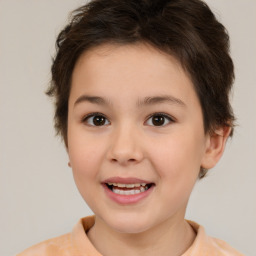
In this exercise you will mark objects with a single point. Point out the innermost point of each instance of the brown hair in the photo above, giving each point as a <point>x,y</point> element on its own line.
<point>185,29</point>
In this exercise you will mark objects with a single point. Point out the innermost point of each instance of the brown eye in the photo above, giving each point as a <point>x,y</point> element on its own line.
<point>96,120</point>
<point>99,120</point>
<point>159,120</point>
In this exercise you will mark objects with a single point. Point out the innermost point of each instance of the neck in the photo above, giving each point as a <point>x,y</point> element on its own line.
<point>169,238</point>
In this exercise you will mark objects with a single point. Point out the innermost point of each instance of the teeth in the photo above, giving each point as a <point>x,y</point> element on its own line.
<point>142,189</point>
<point>126,192</point>
<point>130,191</point>
<point>133,189</point>
<point>121,185</point>
<point>130,185</point>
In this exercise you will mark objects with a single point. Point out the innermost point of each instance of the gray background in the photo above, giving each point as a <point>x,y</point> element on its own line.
<point>38,197</point>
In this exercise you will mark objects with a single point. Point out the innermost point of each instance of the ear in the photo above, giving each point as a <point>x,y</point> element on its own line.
<point>215,145</point>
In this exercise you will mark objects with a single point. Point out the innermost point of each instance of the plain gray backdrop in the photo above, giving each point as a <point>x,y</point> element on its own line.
<point>38,197</point>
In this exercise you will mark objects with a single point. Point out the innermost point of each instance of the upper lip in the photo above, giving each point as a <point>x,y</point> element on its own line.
<point>128,180</point>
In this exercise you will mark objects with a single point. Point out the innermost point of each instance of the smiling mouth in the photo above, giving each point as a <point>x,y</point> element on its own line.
<point>128,189</point>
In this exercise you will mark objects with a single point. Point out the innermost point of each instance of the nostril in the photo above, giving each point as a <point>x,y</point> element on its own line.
<point>131,160</point>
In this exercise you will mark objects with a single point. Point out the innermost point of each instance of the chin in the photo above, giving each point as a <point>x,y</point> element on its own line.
<point>129,225</point>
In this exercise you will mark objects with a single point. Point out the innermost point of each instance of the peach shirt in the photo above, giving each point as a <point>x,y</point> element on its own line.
<point>77,243</point>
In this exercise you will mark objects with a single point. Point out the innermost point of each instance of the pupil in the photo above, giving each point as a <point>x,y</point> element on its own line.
<point>158,120</point>
<point>99,120</point>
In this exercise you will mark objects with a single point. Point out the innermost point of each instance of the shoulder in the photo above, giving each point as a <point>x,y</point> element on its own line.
<point>205,245</point>
<point>56,246</point>
<point>222,248</point>
<point>74,243</point>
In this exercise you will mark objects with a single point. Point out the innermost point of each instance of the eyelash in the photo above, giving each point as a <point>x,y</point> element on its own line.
<point>85,119</point>
<point>166,116</point>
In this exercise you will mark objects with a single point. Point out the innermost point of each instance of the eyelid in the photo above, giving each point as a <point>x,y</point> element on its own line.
<point>167,116</point>
<point>86,117</point>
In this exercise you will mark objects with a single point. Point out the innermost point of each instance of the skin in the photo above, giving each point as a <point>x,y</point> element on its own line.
<point>130,145</point>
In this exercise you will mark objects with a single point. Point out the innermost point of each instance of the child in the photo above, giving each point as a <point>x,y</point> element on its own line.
<point>142,103</point>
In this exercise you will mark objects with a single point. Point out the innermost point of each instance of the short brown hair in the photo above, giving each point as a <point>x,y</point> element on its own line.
<point>185,29</point>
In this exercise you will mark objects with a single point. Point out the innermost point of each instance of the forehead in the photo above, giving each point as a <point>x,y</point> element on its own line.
<point>128,70</point>
<point>127,56</point>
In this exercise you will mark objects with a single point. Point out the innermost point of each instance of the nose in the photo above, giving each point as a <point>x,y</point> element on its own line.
<point>125,147</point>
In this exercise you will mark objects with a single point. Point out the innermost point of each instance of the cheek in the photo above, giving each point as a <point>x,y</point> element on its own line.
<point>84,158</point>
<point>177,163</point>
<point>177,158</point>
<point>85,155</point>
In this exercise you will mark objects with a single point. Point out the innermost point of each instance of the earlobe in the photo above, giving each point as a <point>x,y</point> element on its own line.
<point>215,146</point>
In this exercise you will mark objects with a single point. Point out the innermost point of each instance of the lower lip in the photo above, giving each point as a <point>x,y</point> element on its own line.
<point>127,199</point>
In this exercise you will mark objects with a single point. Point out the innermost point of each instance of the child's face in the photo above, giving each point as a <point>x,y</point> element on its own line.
<point>131,139</point>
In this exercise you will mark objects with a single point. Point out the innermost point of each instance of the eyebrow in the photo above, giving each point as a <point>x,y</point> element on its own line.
<point>140,103</point>
<point>161,99</point>
<point>92,99</point>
